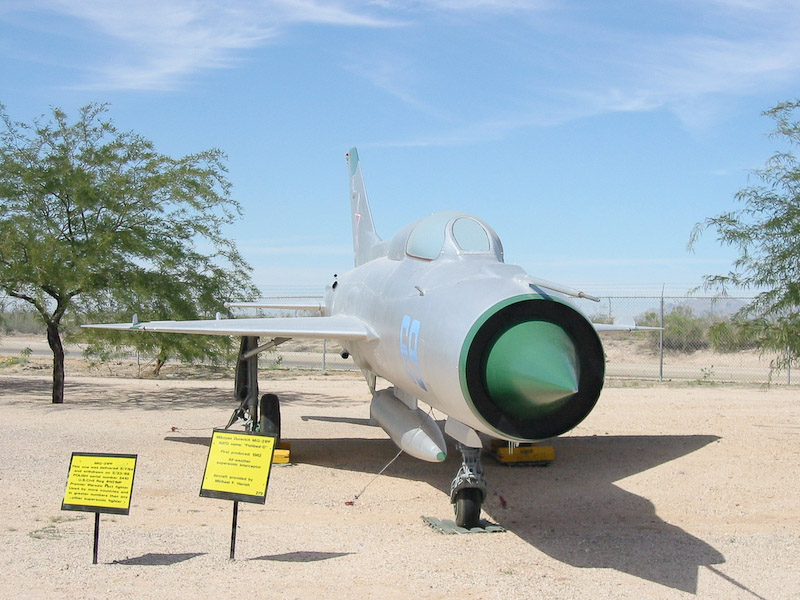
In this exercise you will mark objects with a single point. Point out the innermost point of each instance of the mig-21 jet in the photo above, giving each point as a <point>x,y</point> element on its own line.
<point>436,312</point>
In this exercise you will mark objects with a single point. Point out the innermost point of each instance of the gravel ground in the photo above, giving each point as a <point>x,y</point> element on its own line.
<point>663,492</point>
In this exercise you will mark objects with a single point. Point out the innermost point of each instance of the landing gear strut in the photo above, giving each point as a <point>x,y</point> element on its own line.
<point>468,489</point>
<point>246,384</point>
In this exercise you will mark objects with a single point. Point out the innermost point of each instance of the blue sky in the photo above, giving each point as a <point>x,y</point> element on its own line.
<point>591,135</point>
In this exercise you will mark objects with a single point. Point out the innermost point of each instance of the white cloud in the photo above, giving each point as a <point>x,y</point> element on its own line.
<point>712,52</point>
<point>720,48</point>
<point>163,42</point>
<point>156,44</point>
<point>496,6</point>
<point>489,5</point>
<point>572,62</point>
<point>689,75</point>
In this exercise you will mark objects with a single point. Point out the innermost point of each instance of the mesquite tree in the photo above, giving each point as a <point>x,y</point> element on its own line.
<point>94,219</point>
<point>766,232</point>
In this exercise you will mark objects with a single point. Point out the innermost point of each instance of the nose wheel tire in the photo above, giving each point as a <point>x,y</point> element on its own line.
<point>468,507</point>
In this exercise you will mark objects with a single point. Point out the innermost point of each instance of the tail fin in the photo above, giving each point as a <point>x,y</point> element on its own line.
<point>365,239</point>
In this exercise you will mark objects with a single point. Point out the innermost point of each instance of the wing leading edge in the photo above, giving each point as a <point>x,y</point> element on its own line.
<point>606,328</point>
<point>339,327</point>
<point>309,304</point>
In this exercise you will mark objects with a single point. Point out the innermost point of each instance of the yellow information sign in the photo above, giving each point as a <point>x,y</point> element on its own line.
<point>238,466</point>
<point>100,483</point>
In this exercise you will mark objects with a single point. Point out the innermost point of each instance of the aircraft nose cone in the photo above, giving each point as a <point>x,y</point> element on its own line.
<point>532,370</point>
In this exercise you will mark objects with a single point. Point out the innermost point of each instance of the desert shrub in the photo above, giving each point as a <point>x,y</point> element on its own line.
<point>732,336</point>
<point>683,330</point>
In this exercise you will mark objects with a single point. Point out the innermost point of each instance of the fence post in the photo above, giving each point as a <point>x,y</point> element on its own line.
<point>661,340</point>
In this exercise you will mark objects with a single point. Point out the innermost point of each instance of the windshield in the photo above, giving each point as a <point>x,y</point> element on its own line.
<point>429,236</point>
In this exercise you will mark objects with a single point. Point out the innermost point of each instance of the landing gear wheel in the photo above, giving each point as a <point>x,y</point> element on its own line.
<point>468,507</point>
<point>269,422</point>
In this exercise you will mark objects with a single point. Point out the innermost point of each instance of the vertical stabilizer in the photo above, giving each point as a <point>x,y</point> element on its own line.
<point>365,239</point>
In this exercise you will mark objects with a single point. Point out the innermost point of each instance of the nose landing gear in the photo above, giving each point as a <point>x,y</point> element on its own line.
<point>468,489</point>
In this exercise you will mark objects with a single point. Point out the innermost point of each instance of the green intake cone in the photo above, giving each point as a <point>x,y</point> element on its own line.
<point>531,370</point>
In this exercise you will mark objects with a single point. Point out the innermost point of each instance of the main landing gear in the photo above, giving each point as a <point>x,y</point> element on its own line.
<point>468,489</point>
<point>261,416</point>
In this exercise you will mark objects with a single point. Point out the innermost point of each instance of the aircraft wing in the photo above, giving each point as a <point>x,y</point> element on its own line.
<point>606,327</point>
<point>310,304</point>
<point>339,327</point>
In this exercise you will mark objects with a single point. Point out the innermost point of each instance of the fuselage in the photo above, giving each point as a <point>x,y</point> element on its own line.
<point>469,335</point>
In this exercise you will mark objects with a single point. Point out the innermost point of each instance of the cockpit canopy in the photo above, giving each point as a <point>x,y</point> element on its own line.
<point>453,234</point>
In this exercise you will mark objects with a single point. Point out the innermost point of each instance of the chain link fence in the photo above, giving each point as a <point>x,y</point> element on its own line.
<point>700,341</point>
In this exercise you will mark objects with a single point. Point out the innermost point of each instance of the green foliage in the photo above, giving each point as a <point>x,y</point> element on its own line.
<point>732,335</point>
<point>683,331</point>
<point>178,294</point>
<point>686,332</point>
<point>22,359</point>
<point>648,319</point>
<point>766,233</point>
<point>96,220</point>
<point>707,373</point>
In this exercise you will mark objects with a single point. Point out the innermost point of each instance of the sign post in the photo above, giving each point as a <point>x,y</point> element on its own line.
<point>99,483</point>
<point>238,468</point>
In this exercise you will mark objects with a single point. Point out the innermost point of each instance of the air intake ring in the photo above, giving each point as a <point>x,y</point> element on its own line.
<point>531,410</point>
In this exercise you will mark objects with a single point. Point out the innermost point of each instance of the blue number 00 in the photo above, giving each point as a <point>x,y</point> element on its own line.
<point>409,345</point>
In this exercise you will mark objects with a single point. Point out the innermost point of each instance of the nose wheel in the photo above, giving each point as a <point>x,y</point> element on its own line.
<point>467,506</point>
<point>468,489</point>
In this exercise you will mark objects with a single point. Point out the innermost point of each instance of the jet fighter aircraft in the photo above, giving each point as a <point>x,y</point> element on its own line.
<point>435,312</point>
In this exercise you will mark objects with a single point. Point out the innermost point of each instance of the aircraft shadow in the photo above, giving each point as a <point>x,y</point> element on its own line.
<point>572,510</point>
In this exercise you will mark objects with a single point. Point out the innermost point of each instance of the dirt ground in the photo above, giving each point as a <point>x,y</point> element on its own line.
<point>664,491</point>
